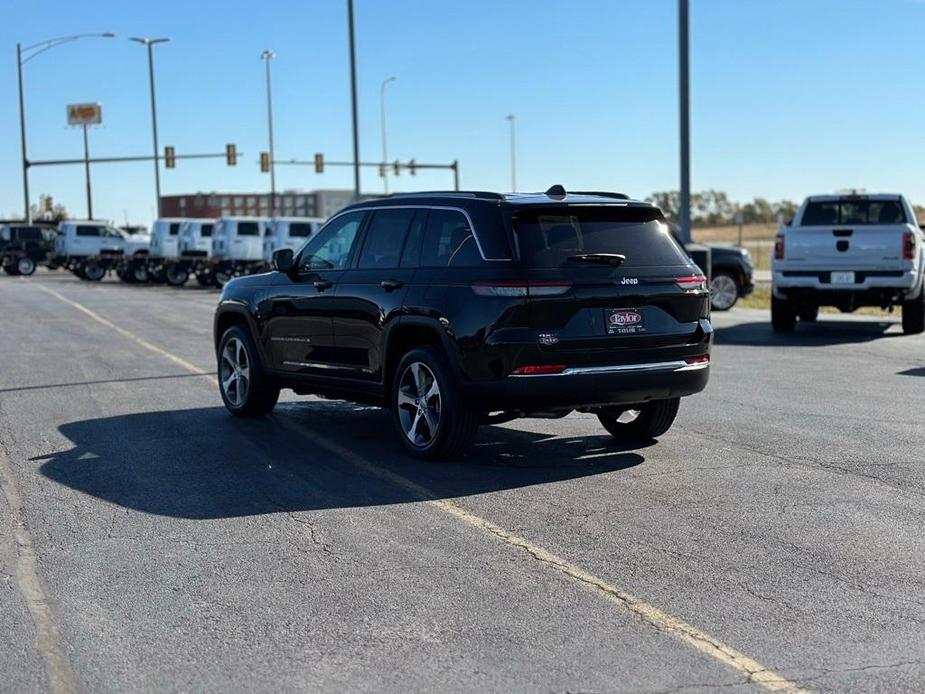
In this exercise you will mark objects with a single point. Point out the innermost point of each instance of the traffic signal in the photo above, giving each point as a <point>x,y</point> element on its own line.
<point>264,162</point>
<point>170,157</point>
<point>231,154</point>
<point>319,163</point>
<point>411,167</point>
<point>396,167</point>
<point>381,170</point>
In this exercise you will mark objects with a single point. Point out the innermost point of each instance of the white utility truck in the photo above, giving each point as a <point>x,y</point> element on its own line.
<point>91,248</point>
<point>849,251</point>
<point>237,247</point>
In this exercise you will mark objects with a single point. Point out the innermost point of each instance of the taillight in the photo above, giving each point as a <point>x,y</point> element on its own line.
<point>779,248</point>
<point>700,359</point>
<point>539,370</point>
<point>691,282</point>
<point>520,288</point>
<point>908,245</point>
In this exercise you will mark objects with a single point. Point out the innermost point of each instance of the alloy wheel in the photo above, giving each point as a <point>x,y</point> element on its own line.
<point>419,404</point>
<point>723,292</point>
<point>235,373</point>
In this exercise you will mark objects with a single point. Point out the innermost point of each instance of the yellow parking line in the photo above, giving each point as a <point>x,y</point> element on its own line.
<point>754,671</point>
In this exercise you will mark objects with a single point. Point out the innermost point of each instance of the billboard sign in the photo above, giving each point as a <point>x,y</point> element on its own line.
<point>84,114</point>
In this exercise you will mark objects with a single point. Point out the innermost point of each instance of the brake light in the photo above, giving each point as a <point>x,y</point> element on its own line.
<point>779,247</point>
<point>908,245</point>
<point>700,359</point>
<point>520,288</point>
<point>539,370</point>
<point>691,282</point>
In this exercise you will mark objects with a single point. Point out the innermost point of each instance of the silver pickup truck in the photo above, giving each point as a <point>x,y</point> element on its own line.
<point>849,251</point>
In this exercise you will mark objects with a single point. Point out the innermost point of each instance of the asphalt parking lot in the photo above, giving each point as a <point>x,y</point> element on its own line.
<point>149,541</point>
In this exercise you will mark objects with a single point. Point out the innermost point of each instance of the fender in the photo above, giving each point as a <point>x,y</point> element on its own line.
<point>238,308</point>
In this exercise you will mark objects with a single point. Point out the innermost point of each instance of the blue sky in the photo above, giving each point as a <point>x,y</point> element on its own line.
<point>789,97</point>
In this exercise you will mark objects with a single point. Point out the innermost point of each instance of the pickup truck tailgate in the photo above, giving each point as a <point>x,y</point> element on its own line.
<point>868,247</point>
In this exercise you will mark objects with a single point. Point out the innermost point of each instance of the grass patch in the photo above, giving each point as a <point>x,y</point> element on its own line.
<point>761,298</point>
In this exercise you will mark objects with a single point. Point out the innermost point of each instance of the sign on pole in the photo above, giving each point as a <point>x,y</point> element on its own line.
<point>84,114</point>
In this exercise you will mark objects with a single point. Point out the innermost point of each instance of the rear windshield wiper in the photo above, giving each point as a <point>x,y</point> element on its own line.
<point>614,259</point>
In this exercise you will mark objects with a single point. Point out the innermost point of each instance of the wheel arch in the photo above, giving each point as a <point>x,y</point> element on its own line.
<point>408,333</point>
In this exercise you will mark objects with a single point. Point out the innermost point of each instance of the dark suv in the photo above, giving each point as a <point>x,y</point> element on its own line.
<point>24,246</point>
<point>456,309</point>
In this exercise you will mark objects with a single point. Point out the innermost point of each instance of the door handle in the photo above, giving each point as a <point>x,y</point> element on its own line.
<point>321,285</point>
<point>391,285</point>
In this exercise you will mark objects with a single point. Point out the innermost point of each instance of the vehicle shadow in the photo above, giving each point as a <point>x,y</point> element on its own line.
<point>205,464</point>
<point>822,333</point>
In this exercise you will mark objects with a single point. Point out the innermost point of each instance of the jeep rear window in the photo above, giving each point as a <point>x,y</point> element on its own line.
<point>300,229</point>
<point>551,238</point>
<point>248,229</point>
<point>853,212</point>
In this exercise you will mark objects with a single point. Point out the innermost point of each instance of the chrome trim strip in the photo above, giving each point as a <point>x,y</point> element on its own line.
<point>475,233</point>
<point>679,365</point>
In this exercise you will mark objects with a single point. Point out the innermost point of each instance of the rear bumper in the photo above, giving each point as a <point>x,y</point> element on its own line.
<point>898,280</point>
<point>589,386</point>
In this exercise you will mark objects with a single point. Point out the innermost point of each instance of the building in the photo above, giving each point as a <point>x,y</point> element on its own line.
<point>289,203</point>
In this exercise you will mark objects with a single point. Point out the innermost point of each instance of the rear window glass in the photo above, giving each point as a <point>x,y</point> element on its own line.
<point>86,230</point>
<point>853,212</point>
<point>300,229</point>
<point>205,230</point>
<point>554,238</point>
<point>174,229</point>
<point>248,229</point>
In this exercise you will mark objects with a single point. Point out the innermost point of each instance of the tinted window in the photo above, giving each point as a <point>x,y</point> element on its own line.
<point>411,255</point>
<point>174,229</point>
<point>552,238</point>
<point>448,240</point>
<point>385,238</point>
<point>300,229</point>
<point>86,230</point>
<point>205,230</point>
<point>4,234</point>
<point>28,233</point>
<point>853,212</point>
<point>330,249</point>
<point>248,229</point>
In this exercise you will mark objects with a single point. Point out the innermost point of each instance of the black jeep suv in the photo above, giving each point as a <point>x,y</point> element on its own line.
<point>456,309</point>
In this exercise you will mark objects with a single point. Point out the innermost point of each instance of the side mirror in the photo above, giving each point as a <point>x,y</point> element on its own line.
<point>282,260</point>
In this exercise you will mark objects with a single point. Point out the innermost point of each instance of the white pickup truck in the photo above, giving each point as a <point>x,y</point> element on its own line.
<point>849,251</point>
<point>90,248</point>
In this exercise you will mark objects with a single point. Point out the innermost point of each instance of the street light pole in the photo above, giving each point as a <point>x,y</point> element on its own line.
<point>353,100</point>
<point>685,118</point>
<point>267,56</point>
<point>512,118</point>
<point>385,156</point>
<point>22,59</point>
<point>157,164</point>
<point>87,172</point>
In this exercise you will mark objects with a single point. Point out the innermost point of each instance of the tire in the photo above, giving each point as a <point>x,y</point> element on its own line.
<point>430,417</point>
<point>724,291</point>
<point>914,315</point>
<point>809,314</point>
<point>654,419</point>
<point>11,269</point>
<point>25,266</point>
<point>247,390</point>
<point>221,278</point>
<point>783,317</point>
<point>176,276</point>
<point>205,280</point>
<point>157,277</point>
<point>92,272</point>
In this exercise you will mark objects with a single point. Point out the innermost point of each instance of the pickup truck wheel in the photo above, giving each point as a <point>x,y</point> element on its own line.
<point>809,314</point>
<point>430,416</point>
<point>914,315</point>
<point>139,274</point>
<point>724,291</point>
<point>783,317</point>
<point>246,389</point>
<point>10,269</point>
<point>176,276</point>
<point>25,266</point>
<point>221,278</point>
<point>93,272</point>
<point>650,421</point>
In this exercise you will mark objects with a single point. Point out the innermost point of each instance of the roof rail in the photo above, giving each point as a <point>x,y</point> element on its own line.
<point>450,193</point>
<point>603,194</point>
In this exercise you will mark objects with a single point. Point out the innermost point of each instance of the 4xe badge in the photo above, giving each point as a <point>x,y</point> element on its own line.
<point>624,321</point>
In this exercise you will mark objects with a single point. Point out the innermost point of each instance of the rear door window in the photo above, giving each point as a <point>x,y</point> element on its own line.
<point>571,236</point>
<point>300,229</point>
<point>385,238</point>
<point>248,229</point>
<point>174,228</point>
<point>205,230</point>
<point>449,241</point>
<point>88,230</point>
<point>28,233</point>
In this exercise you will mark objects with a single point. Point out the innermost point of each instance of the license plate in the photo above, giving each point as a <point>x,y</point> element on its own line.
<point>842,278</point>
<point>624,321</point>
